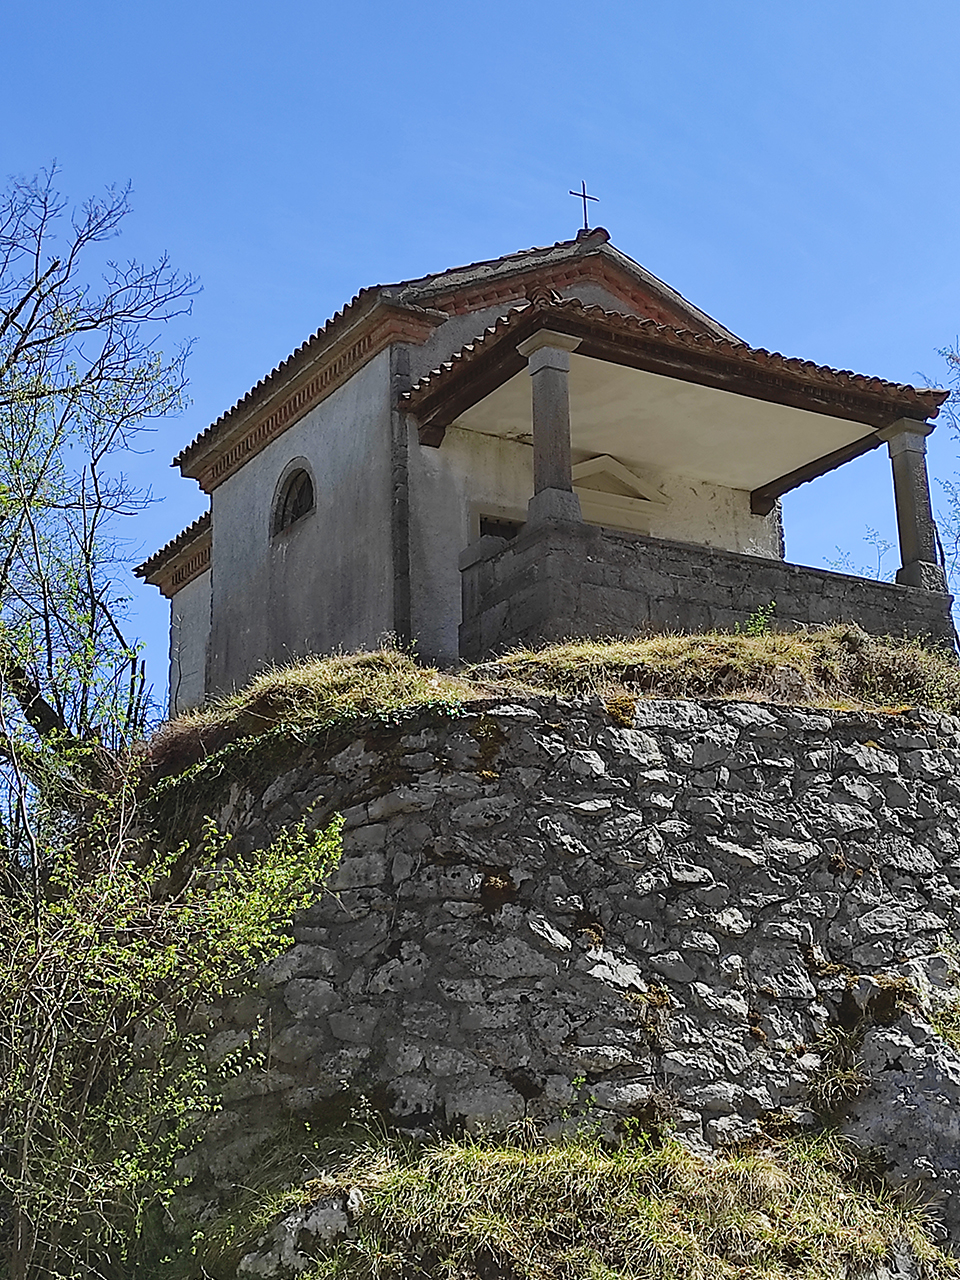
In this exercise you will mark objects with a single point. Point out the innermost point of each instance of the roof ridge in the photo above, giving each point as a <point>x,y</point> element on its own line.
<point>503,258</point>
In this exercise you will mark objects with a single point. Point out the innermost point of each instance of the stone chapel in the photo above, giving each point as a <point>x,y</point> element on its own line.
<point>549,444</point>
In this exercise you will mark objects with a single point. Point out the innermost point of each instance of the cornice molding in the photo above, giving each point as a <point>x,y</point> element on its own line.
<point>190,568</point>
<point>211,461</point>
<point>595,267</point>
<point>184,558</point>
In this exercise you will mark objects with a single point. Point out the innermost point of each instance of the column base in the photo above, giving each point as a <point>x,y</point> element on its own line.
<point>921,573</point>
<point>554,504</point>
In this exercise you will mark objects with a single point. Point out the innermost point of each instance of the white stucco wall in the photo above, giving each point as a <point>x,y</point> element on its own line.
<point>711,516</point>
<point>327,582</point>
<point>189,636</point>
<point>449,487</point>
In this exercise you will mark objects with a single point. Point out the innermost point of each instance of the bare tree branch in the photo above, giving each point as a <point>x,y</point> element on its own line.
<point>81,375</point>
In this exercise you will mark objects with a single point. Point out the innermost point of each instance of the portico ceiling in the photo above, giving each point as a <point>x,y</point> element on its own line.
<point>667,400</point>
<point>655,424</point>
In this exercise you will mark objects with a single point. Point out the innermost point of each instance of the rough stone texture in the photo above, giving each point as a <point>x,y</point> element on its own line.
<point>556,580</point>
<point>542,911</point>
<point>290,1245</point>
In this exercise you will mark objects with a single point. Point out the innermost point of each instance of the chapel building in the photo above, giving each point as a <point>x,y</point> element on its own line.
<point>553,443</point>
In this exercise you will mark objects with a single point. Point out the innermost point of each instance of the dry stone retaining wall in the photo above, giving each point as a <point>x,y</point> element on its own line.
<point>722,916</point>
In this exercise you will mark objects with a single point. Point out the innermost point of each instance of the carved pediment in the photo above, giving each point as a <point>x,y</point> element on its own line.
<point>605,475</point>
<point>613,495</point>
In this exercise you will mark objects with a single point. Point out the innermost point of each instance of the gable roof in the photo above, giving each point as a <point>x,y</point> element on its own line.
<point>479,284</point>
<point>409,311</point>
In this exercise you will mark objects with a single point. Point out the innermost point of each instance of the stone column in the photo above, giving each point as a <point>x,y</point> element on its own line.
<point>907,443</point>
<point>548,358</point>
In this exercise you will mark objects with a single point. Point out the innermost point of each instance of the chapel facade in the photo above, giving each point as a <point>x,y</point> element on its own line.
<point>548,444</point>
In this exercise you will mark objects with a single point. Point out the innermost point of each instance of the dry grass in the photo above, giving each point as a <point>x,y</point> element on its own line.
<point>314,693</point>
<point>834,666</point>
<point>946,1023</point>
<point>801,1209</point>
<point>829,666</point>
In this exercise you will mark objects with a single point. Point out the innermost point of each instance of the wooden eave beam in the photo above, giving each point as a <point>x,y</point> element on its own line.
<point>435,408</point>
<point>709,369</point>
<point>762,500</point>
<point>484,379</point>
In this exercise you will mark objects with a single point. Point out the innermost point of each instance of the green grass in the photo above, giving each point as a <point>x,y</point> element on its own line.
<point>946,1023</point>
<point>831,667</point>
<point>313,693</point>
<point>799,1209</point>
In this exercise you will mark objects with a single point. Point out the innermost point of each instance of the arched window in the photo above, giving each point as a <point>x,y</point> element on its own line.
<point>295,501</point>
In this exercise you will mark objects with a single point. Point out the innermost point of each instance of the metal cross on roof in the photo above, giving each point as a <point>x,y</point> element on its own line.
<point>582,195</point>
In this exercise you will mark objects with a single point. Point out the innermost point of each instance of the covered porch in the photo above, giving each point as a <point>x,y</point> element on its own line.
<point>621,415</point>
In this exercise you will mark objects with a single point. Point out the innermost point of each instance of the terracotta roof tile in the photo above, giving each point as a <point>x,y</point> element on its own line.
<point>175,546</point>
<point>326,331</point>
<point>928,399</point>
<point>408,293</point>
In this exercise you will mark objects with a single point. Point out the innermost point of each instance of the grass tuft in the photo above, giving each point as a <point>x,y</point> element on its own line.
<point>803,1209</point>
<point>826,667</point>
<point>830,667</point>
<point>312,693</point>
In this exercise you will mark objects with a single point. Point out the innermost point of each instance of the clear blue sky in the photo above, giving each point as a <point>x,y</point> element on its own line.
<point>791,168</point>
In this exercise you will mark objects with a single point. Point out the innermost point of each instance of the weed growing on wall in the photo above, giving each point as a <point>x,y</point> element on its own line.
<point>759,623</point>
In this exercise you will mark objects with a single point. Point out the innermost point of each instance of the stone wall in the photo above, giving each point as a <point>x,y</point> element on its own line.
<point>724,917</point>
<point>558,580</point>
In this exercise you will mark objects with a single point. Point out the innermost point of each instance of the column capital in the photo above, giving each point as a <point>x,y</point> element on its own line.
<point>906,434</point>
<point>548,338</point>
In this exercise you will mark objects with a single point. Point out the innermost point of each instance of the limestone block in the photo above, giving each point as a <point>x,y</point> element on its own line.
<point>673,966</point>
<point>485,812</point>
<point>358,870</point>
<point>310,997</point>
<point>509,957</point>
<point>682,901</point>
<point>494,1105</point>
<point>356,1024</point>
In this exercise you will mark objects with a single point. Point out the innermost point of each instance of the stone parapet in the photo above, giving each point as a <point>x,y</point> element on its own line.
<point>558,580</point>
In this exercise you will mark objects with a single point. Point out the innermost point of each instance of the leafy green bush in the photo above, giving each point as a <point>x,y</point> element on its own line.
<point>103,1076</point>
